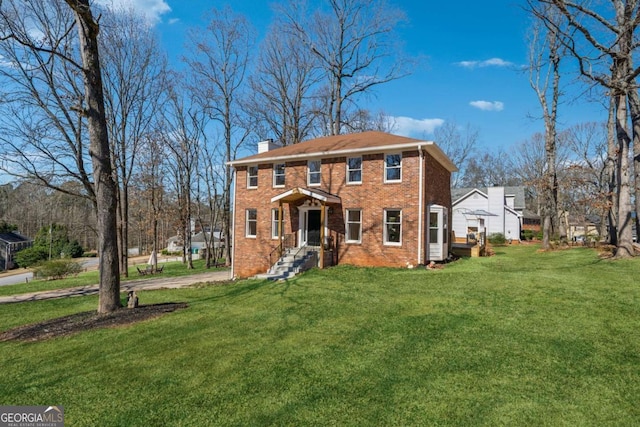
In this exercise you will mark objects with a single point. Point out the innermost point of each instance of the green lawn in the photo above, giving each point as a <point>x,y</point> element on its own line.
<point>518,339</point>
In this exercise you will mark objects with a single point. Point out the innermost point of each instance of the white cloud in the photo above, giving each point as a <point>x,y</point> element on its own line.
<point>151,9</point>
<point>488,105</point>
<point>407,126</point>
<point>492,62</point>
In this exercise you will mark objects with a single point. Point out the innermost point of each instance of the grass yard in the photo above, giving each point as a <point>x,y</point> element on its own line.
<point>521,338</point>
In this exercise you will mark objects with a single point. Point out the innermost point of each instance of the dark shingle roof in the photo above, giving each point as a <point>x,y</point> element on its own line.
<point>341,144</point>
<point>517,192</point>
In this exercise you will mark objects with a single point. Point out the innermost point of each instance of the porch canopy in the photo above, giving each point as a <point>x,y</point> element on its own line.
<point>297,193</point>
<point>301,193</point>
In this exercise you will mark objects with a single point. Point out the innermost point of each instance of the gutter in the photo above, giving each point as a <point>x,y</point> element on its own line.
<point>233,225</point>
<point>420,204</point>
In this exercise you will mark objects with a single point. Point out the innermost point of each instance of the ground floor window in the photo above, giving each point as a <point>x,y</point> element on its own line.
<point>275,223</point>
<point>433,228</point>
<point>252,223</point>
<point>354,226</point>
<point>392,226</point>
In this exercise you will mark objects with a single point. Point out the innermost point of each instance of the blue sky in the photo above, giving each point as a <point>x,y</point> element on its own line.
<point>473,74</point>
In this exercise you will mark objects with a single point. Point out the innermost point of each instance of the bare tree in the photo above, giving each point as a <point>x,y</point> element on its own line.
<point>134,73</point>
<point>219,64</point>
<point>545,55</point>
<point>282,88</point>
<point>355,46</point>
<point>602,40</point>
<point>105,188</point>
<point>54,84</point>
<point>181,137</point>
<point>459,144</point>
<point>587,174</point>
<point>44,132</point>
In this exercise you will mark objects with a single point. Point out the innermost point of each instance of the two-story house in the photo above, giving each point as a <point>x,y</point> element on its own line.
<point>367,199</point>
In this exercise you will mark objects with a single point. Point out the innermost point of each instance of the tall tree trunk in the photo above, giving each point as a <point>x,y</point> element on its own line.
<point>105,188</point>
<point>634,109</point>
<point>625,221</point>
<point>610,170</point>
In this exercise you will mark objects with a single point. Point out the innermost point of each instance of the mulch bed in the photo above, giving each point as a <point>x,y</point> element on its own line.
<point>88,320</point>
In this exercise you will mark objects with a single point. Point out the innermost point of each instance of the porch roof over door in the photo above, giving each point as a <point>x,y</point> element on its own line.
<point>298,193</point>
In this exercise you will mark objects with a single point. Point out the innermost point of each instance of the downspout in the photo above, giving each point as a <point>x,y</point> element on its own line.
<point>420,205</point>
<point>233,225</point>
<point>322,220</point>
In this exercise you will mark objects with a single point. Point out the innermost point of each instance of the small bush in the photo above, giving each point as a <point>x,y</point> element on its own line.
<point>57,269</point>
<point>497,239</point>
<point>527,234</point>
<point>31,256</point>
<point>168,253</point>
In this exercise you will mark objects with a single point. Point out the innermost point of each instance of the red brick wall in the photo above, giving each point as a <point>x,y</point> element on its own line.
<point>251,255</point>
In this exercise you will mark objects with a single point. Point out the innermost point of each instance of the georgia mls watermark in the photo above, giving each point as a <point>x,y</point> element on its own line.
<point>31,416</point>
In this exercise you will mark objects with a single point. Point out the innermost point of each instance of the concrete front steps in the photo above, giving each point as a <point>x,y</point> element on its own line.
<point>294,261</point>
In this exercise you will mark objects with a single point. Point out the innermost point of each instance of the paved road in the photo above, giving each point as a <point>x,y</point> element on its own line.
<point>14,277</point>
<point>146,284</point>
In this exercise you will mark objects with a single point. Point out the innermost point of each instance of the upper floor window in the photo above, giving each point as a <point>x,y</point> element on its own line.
<point>251,223</point>
<point>252,177</point>
<point>278,175</point>
<point>314,175</point>
<point>393,168</point>
<point>392,227</point>
<point>354,170</point>
<point>354,226</point>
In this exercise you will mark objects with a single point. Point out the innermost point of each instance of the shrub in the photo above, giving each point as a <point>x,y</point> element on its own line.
<point>57,269</point>
<point>73,249</point>
<point>31,256</point>
<point>527,234</point>
<point>497,239</point>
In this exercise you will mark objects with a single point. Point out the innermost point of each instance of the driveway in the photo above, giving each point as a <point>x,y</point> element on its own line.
<point>146,284</point>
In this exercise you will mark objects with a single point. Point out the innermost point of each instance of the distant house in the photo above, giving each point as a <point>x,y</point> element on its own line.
<point>10,243</point>
<point>175,243</point>
<point>369,199</point>
<point>494,209</point>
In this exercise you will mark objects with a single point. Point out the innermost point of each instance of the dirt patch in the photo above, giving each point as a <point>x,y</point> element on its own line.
<point>88,320</point>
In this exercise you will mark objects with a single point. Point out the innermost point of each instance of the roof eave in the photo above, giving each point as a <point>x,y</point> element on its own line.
<point>429,146</point>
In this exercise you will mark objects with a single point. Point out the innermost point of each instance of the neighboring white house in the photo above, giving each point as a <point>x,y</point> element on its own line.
<point>175,243</point>
<point>496,209</point>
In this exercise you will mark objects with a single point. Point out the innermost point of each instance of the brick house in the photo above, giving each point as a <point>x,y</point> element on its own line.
<point>371,198</point>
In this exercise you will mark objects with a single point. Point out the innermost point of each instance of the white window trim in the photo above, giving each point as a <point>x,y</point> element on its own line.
<point>347,222</point>
<point>249,176</point>
<point>274,175</point>
<point>275,223</point>
<point>349,170</point>
<point>385,237</point>
<point>246,224</point>
<point>319,172</point>
<point>385,168</point>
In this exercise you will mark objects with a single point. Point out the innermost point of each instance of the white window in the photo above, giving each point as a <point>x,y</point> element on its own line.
<point>393,168</point>
<point>314,174</point>
<point>275,222</point>
<point>252,177</point>
<point>433,228</point>
<point>252,223</point>
<point>278,175</point>
<point>354,170</point>
<point>354,226</point>
<point>392,227</point>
